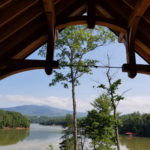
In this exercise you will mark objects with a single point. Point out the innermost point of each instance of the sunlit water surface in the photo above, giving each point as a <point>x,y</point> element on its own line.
<point>38,137</point>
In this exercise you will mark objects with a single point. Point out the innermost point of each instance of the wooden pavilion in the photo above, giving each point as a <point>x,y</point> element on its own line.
<point>25,25</point>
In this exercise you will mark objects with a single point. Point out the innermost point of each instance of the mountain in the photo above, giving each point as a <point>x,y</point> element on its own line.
<point>35,110</point>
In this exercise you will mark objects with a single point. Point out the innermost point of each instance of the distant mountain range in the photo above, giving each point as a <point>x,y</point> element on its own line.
<point>35,110</point>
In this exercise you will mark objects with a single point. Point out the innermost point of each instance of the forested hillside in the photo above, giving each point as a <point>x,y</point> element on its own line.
<point>35,110</point>
<point>137,123</point>
<point>13,120</point>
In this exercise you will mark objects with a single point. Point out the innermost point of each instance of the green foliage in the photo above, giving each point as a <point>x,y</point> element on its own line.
<point>137,123</point>
<point>72,46</point>
<point>13,120</point>
<point>111,91</point>
<point>115,98</point>
<point>99,124</point>
<point>67,138</point>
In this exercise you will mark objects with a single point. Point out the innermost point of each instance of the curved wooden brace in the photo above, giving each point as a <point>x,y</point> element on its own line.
<point>134,19</point>
<point>16,66</point>
<point>112,24</point>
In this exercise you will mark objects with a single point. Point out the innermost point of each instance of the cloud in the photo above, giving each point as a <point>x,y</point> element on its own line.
<point>129,105</point>
<point>135,103</point>
<point>59,102</point>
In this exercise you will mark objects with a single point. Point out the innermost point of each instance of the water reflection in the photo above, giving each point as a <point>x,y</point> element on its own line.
<point>37,138</point>
<point>8,137</point>
<point>135,143</point>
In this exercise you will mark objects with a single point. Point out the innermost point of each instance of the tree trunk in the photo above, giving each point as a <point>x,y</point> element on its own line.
<point>116,129</point>
<point>74,115</point>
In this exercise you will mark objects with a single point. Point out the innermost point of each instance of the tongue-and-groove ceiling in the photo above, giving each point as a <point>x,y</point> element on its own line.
<point>25,25</point>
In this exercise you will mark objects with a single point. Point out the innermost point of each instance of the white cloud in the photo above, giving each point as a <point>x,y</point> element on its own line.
<point>59,102</point>
<point>129,105</point>
<point>135,103</point>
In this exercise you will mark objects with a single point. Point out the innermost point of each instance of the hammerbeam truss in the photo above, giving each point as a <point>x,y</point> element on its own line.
<point>38,22</point>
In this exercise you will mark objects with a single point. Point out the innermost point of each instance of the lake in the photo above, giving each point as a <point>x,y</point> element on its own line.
<point>134,143</point>
<point>38,137</point>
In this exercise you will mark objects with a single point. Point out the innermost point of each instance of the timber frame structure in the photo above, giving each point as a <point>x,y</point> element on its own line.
<point>25,25</point>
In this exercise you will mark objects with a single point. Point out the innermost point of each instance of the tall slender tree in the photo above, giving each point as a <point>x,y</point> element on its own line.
<point>114,97</point>
<point>73,44</point>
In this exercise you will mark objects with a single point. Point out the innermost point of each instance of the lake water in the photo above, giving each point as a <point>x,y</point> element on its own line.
<point>39,137</point>
<point>134,143</point>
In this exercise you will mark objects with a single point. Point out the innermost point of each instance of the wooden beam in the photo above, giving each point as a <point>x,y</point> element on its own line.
<point>142,50</point>
<point>104,12</point>
<point>144,69</point>
<point>20,21</point>
<point>113,24</point>
<point>4,3</point>
<point>133,23</point>
<point>50,16</point>
<point>131,4</point>
<point>91,13</point>
<point>29,33</point>
<point>18,8</point>
<point>67,8</point>
<point>116,8</point>
<point>31,47</point>
<point>16,66</point>
<point>139,10</point>
<point>130,47</point>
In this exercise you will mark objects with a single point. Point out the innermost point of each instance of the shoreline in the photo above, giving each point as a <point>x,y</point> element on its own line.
<point>16,128</point>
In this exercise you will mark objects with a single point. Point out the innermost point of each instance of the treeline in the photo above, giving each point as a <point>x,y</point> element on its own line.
<point>43,120</point>
<point>137,123</point>
<point>13,119</point>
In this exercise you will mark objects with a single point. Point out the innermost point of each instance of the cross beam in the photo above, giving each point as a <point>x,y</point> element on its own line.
<point>15,65</point>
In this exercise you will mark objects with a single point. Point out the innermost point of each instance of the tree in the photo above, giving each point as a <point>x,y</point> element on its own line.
<point>82,132</point>
<point>73,44</point>
<point>67,138</point>
<point>99,124</point>
<point>114,98</point>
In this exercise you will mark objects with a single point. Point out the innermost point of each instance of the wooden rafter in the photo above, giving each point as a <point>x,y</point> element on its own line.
<point>71,8</point>
<point>139,10</point>
<point>50,16</point>
<point>12,67</point>
<point>31,47</point>
<point>4,3</point>
<point>7,16</point>
<point>104,12</point>
<point>20,21</point>
<point>28,34</point>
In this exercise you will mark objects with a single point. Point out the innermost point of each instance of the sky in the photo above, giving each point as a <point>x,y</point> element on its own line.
<point>32,87</point>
